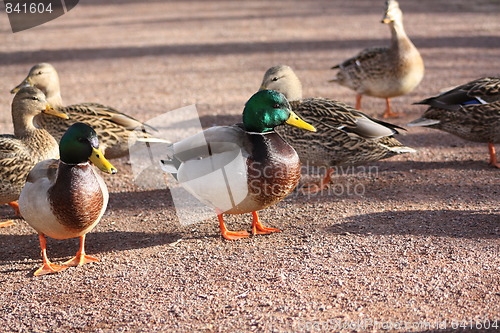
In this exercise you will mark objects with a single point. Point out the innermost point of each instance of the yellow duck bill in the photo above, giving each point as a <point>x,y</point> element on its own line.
<point>295,120</point>
<point>26,83</point>
<point>97,157</point>
<point>53,112</point>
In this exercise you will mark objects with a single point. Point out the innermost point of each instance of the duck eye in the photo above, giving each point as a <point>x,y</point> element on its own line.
<point>35,98</point>
<point>39,73</point>
<point>276,106</point>
<point>275,78</point>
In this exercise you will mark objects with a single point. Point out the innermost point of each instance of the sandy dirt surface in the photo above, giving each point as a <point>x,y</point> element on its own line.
<point>411,243</point>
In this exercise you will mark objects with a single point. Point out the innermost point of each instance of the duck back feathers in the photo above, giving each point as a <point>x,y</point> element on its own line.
<point>470,111</point>
<point>345,136</point>
<point>384,71</point>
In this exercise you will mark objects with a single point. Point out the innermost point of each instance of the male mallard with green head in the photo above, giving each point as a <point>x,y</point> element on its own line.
<point>29,145</point>
<point>115,129</point>
<point>345,135</point>
<point>269,168</point>
<point>66,198</point>
<point>470,111</point>
<point>384,72</point>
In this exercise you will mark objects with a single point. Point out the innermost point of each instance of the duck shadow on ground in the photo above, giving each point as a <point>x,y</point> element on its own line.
<point>228,48</point>
<point>433,138</point>
<point>471,224</point>
<point>402,166</point>
<point>141,201</point>
<point>16,247</point>
<point>26,247</point>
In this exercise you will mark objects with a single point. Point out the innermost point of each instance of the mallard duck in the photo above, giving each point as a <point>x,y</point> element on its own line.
<point>267,170</point>
<point>66,198</point>
<point>470,111</point>
<point>115,129</point>
<point>384,72</point>
<point>345,135</point>
<point>29,145</point>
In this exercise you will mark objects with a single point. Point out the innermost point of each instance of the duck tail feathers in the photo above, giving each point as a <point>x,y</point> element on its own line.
<point>153,140</point>
<point>401,149</point>
<point>423,122</point>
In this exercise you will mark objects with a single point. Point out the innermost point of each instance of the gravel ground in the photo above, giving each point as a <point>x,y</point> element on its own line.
<point>407,244</point>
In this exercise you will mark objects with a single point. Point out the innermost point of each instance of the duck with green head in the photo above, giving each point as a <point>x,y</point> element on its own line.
<point>268,169</point>
<point>66,198</point>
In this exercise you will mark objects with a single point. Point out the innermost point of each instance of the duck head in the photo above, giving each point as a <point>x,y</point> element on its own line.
<point>43,76</point>
<point>80,144</point>
<point>267,109</point>
<point>283,79</point>
<point>30,102</point>
<point>392,12</point>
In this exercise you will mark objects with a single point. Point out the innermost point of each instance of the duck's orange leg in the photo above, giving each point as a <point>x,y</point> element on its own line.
<point>230,235</point>
<point>47,267</point>
<point>258,228</point>
<point>8,223</point>
<point>15,206</point>
<point>313,188</point>
<point>81,258</point>
<point>493,155</point>
<point>388,113</point>
<point>358,101</point>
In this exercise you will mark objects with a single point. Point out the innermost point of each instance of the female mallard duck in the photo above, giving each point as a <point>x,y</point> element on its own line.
<point>345,135</point>
<point>267,170</point>
<point>29,145</point>
<point>66,198</point>
<point>116,130</point>
<point>470,111</point>
<point>384,72</point>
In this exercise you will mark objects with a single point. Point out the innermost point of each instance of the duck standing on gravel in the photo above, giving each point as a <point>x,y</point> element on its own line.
<point>29,145</point>
<point>115,129</point>
<point>384,72</point>
<point>345,135</point>
<point>66,198</point>
<point>269,168</point>
<point>470,111</point>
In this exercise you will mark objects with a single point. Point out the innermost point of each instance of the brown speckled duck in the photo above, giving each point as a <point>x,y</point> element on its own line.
<point>470,111</point>
<point>115,129</point>
<point>29,145</point>
<point>384,72</point>
<point>268,171</point>
<point>66,198</point>
<point>345,135</point>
